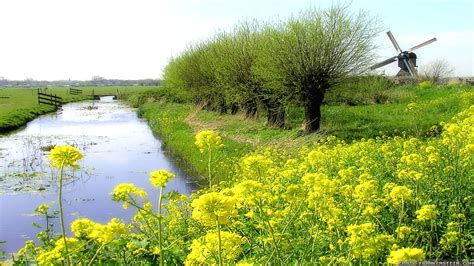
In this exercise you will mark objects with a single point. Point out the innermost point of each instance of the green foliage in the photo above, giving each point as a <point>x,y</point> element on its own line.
<point>425,84</point>
<point>364,90</point>
<point>159,94</point>
<point>273,65</point>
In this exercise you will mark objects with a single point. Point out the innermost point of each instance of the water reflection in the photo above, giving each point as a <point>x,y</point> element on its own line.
<point>119,147</point>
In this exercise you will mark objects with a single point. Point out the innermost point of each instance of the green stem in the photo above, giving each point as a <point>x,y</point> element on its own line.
<point>134,204</point>
<point>270,230</point>
<point>95,255</point>
<point>159,226</point>
<point>61,216</point>
<point>209,166</point>
<point>219,240</point>
<point>47,227</point>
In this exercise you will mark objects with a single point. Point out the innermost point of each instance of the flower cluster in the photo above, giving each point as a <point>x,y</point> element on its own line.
<point>208,140</point>
<point>212,208</point>
<point>160,178</point>
<point>204,249</point>
<point>65,156</point>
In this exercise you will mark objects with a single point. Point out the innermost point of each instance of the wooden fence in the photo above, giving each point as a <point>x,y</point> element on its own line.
<point>73,91</point>
<point>49,99</point>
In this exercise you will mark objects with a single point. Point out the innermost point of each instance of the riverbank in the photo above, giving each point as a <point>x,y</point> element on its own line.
<point>19,106</point>
<point>417,114</point>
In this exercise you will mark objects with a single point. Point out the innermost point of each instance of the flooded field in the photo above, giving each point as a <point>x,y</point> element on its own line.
<point>118,147</point>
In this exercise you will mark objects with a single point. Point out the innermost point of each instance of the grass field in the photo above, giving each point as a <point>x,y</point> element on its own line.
<point>19,105</point>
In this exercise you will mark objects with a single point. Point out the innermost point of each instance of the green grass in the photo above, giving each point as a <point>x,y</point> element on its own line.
<point>169,121</point>
<point>176,124</point>
<point>19,105</point>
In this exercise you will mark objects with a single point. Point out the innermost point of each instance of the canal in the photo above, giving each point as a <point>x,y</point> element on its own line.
<point>119,147</point>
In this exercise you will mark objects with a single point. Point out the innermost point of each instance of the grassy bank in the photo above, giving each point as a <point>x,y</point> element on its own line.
<point>19,105</point>
<point>173,122</point>
<point>414,112</point>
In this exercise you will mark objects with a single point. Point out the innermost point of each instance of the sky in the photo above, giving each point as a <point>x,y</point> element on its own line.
<point>134,39</point>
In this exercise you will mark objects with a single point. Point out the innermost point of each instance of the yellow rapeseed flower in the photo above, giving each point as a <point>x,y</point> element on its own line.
<point>82,227</point>
<point>65,156</point>
<point>122,191</point>
<point>43,209</point>
<point>212,207</point>
<point>426,213</point>
<point>404,231</point>
<point>107,233</point>
<point>400,194</point>
<point>204,249</point>
<point>160,178</point>
<point>406,255</point>
<point>208,140</point>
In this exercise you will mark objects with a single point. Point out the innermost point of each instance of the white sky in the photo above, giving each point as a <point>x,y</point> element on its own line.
<point>78,39</point>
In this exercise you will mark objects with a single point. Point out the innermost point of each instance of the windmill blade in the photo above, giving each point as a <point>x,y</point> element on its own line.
<point>422,44</point>
<point>394,42</point>
<point>411,68</point>
<point>383,63</point>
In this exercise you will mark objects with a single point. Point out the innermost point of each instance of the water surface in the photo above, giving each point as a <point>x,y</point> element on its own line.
<point>118,146</point>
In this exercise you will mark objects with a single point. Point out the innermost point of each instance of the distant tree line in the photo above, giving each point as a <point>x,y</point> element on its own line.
<point>95,81</point>
<point>262,68</point>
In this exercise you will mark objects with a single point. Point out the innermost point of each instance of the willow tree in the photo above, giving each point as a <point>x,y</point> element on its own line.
<point>273,94</point>
<point>318,49</point>
<point>236,60</point>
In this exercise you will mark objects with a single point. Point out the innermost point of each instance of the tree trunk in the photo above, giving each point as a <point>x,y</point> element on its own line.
<point>313,111</point>
<point>234,108</point>
<point>250,108</point>
<point>222,106</point>
<point>276,117</point>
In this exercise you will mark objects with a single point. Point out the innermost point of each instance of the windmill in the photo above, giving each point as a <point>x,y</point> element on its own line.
<point>406,59</point>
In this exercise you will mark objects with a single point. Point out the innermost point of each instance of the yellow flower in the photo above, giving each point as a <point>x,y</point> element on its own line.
<point>247,191</point>
<point>365,192</point>
<point>64,156</point>
<point>53,257</point>
<point>400,194</point>
<point>43,209</point>
<point>426,213</point>
<point>160,178</point>
<point>254,165</point>
<point>208,140</point>
<point>107,233</point>
<point>204,249</point>
<point>212,207</point>
<point>406,255</point>
<point>122,191</point>
<point>156,250</point>
<point>404,231</point>
<point>365,242</point>
<point>82,227</point>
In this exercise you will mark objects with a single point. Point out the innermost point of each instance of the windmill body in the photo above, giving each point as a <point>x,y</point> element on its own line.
<point>406,59</point>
